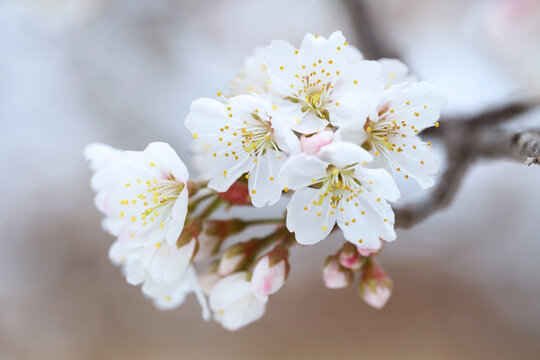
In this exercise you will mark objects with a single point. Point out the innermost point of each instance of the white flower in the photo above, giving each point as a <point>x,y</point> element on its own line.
<point>390,130</point>
<point>322,82</point>
<point>395,72</point>
<point>163,264</point>
<point>334,186</point>
<point>242,136</point>
<point>168,296</point>
<point>233,303</point>
<point>142,193</point>
<point>164,271</point>
<point>253,77</point>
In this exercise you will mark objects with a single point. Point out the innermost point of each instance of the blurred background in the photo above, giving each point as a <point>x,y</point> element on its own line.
<point>124,72</point>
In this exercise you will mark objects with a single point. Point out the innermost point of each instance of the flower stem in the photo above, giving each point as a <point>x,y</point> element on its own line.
<point>213,206</point>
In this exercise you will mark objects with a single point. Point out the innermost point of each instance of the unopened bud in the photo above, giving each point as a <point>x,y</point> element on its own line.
<point>237,194</point>
<point>233,259</point>
<point>311,145</point>
<point>209,277</point>
<point>270,273</point>
<point>336,276</point>
<point>375,287</point>
<point>214,233</point>
<point>350,258</point>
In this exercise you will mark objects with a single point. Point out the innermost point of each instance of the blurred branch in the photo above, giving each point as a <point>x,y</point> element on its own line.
<point>466,139</point>
<point>372,46</point>
<point>465,142</point>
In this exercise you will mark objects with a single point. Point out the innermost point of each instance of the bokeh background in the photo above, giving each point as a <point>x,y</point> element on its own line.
<point>123,72</point>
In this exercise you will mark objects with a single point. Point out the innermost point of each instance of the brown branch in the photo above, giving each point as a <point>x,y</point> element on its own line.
<point>372,46</point>
<point>465,142</point>
<point>465,139</point>
<point>440,197</point>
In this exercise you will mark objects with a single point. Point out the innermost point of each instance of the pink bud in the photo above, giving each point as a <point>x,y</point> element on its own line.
<point>350,258</point>
<point>214,233</point>
<point>311,145</point>
<point>334,275</point>
<point>375,287</point>
<point>270,273</point>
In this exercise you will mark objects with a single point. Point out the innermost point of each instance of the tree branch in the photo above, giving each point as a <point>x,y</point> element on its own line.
<point>466,139</point>
<point>372,46</point>
<point>466,142</point>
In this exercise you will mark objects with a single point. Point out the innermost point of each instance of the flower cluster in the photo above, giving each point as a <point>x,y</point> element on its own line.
<point>317,125</point>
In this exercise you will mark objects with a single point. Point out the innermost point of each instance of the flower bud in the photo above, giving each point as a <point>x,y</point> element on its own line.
<point>311,145</point>
<point>375,287</point>
<point>334,275</point>
<point>237,194</point>
<point>350,258</point>
<point>209,277</point>
<point>214,233</point>
<point>233,259</point>
<point>270,273</point>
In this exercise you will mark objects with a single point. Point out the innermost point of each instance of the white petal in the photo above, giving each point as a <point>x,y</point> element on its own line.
<point>243,312</point>
<point>379,182</point>
<point>300,170</point>
<point>343,154</point>
<point>366,228</point>
<point>264,187</point>
<point>418,104</point>
<point>395,72</point>
<point>167,160</point>
<point>99,154</point>
<point>229,290</point>
<point>282,64</point>
<point>366,75</point>
<point>178,214</point>
<point>309,219</point>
